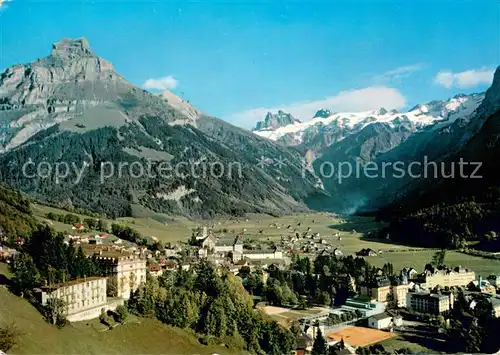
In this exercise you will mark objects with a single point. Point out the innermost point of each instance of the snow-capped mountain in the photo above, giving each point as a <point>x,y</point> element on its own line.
<point>333,127</point>
<point>432,132</point>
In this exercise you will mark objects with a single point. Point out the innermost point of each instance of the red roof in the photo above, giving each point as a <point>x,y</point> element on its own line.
<point>155,268</point>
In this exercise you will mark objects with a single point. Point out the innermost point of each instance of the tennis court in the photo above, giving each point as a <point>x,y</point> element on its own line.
<point>359,336</point>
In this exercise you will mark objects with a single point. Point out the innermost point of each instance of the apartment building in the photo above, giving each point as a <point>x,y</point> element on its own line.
<point>399,293</point>
<point>83,298</point>
<point>426,302</point>
<point>379,290</point>
<point>458,276</point>
<point>126,271</point>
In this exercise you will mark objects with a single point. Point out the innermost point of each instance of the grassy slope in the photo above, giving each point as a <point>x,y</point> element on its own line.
<point>148,224</point>
<point>141,337</point>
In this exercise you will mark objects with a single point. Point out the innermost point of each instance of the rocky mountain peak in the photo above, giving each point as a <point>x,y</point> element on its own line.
<point>72,48</point>
<point>323,113</point>
<point>56,88</point>
<point>269,116</point>
<point>273,121</point>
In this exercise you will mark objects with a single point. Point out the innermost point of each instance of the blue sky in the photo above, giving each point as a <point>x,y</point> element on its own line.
<point>238,59</point>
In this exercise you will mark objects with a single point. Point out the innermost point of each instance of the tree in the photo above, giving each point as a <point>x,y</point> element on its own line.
<point>132,280</point>
<point>274,292</point>
<point>26,275</point>
<point>319,345</point>
<point>112,287</point>
<point>358,313</point>
<point>303,302</point>
<point>372,349</point>
<point>289,297</point>
<point>55,312</point>
<point>438,258</point>
<point>214,304</point>
<point>104,318</point>
<point>388,269</point>
<point>9,335</point>
<point>491,236</point>
<point>91,223</point>
<point>244,272</point>
<point>121,313</point>
<point>102,225</point>
<point>324,298</point>
<point>335,349</point>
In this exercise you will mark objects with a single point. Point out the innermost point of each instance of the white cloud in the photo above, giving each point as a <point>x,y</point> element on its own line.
<point>465,79</point>
<point>4,2</point>
<point>352,100</point>
<point>167,82</point>
<point>398,73</point>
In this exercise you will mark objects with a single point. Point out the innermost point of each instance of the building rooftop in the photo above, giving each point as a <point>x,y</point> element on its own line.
<point>264,251</point>
<point>381,316</point>
<point>104,251</point>
<point>430,270</point>
<point>381,281</point>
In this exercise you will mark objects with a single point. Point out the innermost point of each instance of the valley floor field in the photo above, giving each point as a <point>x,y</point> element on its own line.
<point>350,233</point>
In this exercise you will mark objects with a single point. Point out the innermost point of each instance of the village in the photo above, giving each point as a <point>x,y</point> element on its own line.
<point>375,311</point>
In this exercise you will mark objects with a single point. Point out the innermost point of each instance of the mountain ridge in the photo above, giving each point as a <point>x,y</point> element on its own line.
<point>345,123</point>
<point>277,120</point>
<point>71,106</point>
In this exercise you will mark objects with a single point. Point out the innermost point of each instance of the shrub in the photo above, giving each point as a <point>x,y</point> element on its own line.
<point>9,335</point>
<point>121,314</point>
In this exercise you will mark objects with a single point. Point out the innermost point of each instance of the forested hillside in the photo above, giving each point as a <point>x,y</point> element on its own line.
<point>450,212</point>
<point>15,214</point>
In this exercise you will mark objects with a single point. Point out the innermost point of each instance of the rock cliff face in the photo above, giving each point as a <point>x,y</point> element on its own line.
<point>54,89</point>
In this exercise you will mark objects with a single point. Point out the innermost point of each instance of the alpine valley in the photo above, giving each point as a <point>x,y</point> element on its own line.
<point>429,132</point>
<point>73,107</point>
